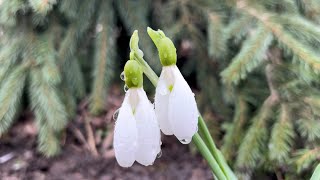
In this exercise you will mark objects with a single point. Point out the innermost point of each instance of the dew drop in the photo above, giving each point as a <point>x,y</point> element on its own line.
<point>159,154</point>
<point>140,53</point>
<point>125,88</point>
<point>122,77</point>
<point>115,114</point>
<point>185,141</point>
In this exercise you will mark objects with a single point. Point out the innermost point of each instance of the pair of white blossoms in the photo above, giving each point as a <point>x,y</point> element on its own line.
<point>137,134</point>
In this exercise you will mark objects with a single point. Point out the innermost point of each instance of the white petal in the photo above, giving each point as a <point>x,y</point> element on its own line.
<point>161,105</point>
<point>125,136</point>
<point>182,109</point>
<point>148,131</point>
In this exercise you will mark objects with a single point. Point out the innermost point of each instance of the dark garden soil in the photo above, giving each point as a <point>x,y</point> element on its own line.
<point>19,158</point>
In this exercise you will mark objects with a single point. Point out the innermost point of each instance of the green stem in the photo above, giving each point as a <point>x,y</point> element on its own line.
<point>208,156</point>
<point>147,70</point>
<point>213,149</point>
<point>316,173</point>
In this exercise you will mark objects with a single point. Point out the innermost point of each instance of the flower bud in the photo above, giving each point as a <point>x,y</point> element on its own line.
<point>166,49</point>
<point>133,74</point>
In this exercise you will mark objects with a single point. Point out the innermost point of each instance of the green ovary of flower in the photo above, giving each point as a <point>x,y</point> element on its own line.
<point>166,48</point>
<point>133,74</point>
<point>167,52</point>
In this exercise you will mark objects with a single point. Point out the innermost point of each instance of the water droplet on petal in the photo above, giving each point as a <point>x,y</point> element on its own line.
<point>159,154</point>
<point>122,77</point>
<point>115,114</point>
<point>185,141</point>
<point>140,53</point>
<point>125,88</point>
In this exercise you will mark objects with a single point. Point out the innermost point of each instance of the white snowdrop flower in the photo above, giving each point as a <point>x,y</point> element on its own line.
<point>137,133</point>
<point>175,105</point>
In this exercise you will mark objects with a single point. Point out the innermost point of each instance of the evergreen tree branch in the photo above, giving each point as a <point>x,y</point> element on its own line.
<point>45,97</point>
<point>8,11</point>
<point>216,37</point>
<point>10,95</point>
<point>42,6</point>
<point>250,56</point>
<point>235,131</point>
<point>305,157</point>
<point>104,58</point>
<point>281,136</point>
<point>304,53</point>
<point>48,141</point>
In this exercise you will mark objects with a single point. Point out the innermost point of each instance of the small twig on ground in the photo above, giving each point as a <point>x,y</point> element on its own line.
<point>107,140</point>
<point>109,154</point>
<point>90,136</point>
<point>78,134</point>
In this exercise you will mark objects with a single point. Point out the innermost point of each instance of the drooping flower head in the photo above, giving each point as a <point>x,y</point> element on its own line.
<point>137,133</point>
<point>175,104</point>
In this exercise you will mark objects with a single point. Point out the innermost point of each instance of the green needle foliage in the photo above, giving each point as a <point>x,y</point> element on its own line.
<point>255,66</point>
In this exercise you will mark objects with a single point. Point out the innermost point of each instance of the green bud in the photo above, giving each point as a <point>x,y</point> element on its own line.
<point>166,49</point>
<point>134,45</point>
<point>133,74</point>
<point>134,40</point>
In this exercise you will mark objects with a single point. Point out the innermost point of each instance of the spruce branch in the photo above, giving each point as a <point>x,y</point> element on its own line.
<point>308,126</point>
<point>216,37</point>
<point>305,157</point>
<point>250,56</point>
<point>235,131</point>
<point>69,8</point>
<point>42,6</point>
<point>282,134</point>
<point>239,27</point>
<point>304,53</point>
<point>45,97</point>
<point>9,56</point>
<point>300,27</point>
<point>9,10</point>
<point>254,143</point>
<point>104,58</point>
<point>73,77</point>
<point>48,141</point>
<point>10,95</point>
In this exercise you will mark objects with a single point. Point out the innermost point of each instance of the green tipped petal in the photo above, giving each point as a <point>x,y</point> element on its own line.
<point>166,49</point>
<point>133,74</point>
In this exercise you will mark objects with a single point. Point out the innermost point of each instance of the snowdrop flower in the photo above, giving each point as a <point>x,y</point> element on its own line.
<point>175,105</point>
<point>137,133</point>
